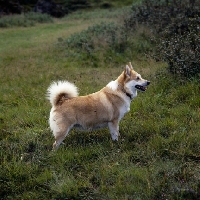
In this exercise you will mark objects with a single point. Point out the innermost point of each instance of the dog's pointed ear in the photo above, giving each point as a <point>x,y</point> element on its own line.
<point>127,71</point>
<point>129,64</point>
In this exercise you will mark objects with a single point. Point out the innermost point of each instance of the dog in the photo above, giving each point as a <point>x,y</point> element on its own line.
<point>104,108</point>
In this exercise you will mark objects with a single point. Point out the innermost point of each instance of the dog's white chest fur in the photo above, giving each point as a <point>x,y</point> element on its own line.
<point>124,109</point>
<point>126,106</point>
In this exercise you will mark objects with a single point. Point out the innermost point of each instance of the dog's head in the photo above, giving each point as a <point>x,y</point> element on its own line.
<point>133,81</point>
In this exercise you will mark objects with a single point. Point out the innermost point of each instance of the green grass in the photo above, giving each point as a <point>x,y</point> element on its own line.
<point>157,156</point>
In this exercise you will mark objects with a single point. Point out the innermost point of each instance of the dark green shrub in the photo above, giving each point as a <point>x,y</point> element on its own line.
<point>106,5</point>
<point>181,52</point>
<point>177,28</point>
<point>161,16</point>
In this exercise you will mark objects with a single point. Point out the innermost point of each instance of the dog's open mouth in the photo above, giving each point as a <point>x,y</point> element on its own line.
<point>141,88</point>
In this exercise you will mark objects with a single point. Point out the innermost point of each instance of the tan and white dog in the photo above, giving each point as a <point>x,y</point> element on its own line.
<point>104,108</point>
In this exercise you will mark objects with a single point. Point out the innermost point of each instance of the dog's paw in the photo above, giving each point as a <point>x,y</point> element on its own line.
<point>114,137</point>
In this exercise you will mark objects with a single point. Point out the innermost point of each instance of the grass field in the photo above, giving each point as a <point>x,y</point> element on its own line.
<point>157,156</point>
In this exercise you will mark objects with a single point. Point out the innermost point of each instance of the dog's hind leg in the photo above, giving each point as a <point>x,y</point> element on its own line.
<point>59,137</point>
<point>114,129</point>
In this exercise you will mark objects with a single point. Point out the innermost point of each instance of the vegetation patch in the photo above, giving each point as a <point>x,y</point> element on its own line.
<point>100,43</point>
<point>26,20</point>
<point>177,28</point>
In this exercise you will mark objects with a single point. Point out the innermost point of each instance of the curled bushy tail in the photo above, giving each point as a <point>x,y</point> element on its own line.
<point>58,91</point>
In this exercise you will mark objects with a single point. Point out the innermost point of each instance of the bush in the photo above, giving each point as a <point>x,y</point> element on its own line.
<point>97,37</point>
<point>15,20</point>
<point>100,42</point>
<point>29,19</point>
<point>181,52</point>
<point>177,27</point>
<point>38,17</point>
<point>105,42</point>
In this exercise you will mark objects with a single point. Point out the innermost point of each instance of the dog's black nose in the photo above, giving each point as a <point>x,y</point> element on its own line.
<point>148,82</point>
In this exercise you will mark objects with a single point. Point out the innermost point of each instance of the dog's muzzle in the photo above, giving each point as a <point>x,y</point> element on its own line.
<point>141,87</point>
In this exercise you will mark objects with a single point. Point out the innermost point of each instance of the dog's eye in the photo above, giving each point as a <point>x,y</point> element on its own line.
<point>138,78</point>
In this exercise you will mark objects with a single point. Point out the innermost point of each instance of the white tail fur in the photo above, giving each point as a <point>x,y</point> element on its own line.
<point>61,87</point>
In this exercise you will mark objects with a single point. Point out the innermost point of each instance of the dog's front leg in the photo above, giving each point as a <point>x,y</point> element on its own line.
<point>114,129</point>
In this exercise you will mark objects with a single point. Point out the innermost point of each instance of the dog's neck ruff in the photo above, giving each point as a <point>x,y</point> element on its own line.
<point>114,85</point>
<point>124,91</point>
